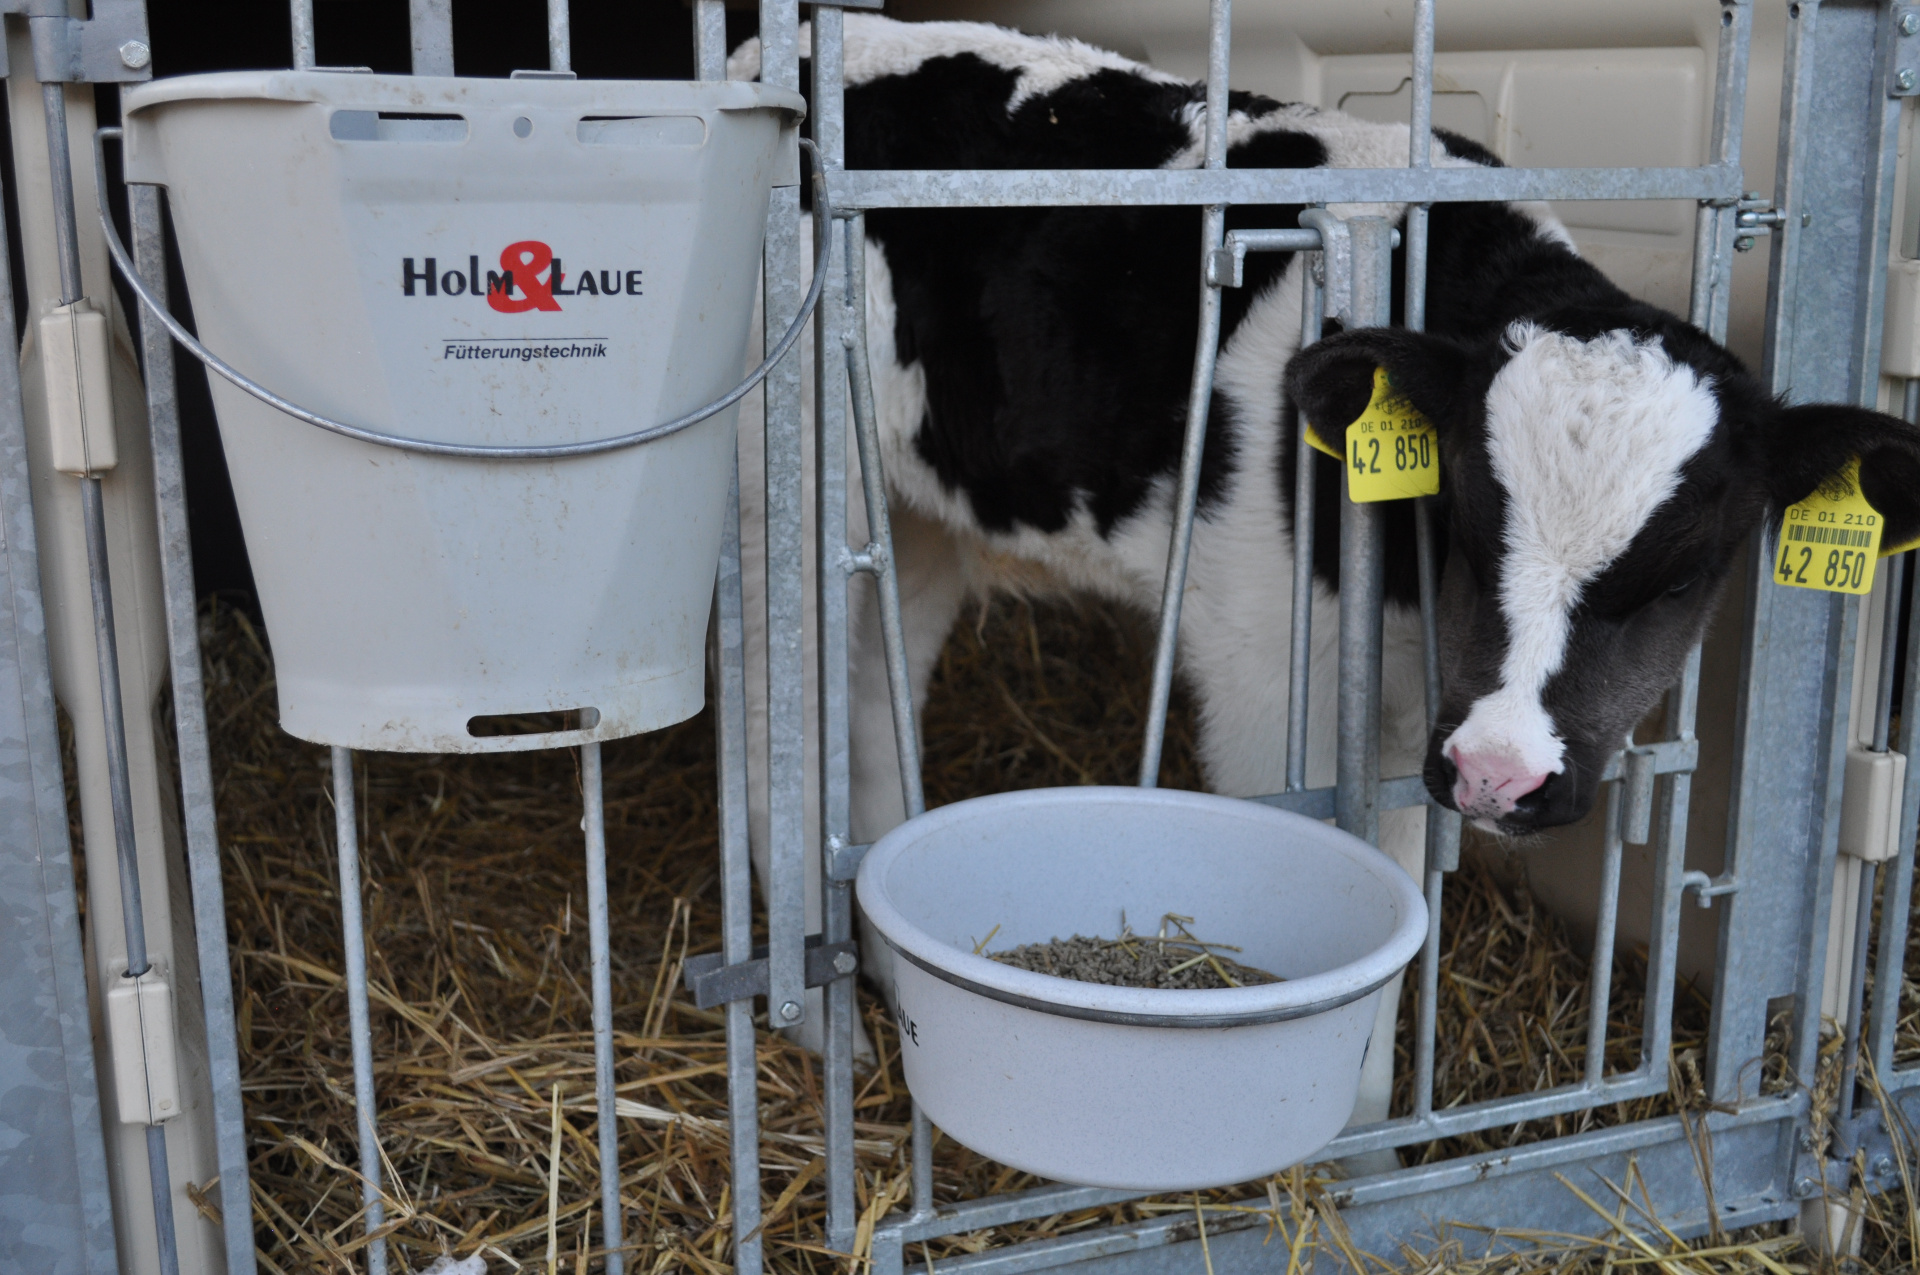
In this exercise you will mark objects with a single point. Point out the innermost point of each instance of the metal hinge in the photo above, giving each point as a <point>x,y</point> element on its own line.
<point>713,982</point>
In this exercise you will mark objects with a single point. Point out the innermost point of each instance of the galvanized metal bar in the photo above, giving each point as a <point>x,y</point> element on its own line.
<point>830,543</point>
<point>1420,130</point>
<point>736,861</point>
<point>1206,353</point>
<point>113,726</point>
<point>1895,575</point>
<point>1785,783</point>
<point>1606,924</point>
<point>1672,800</point>
<point>190,738</point>
<point>559,36</point>
<point>430,25</point>
<point>346,835</point>
<point>1480,1192</point>
<point>709,39</point>
<point>1300,653</point>
<point>906,734</point>
<point>1856,990</point>
<point>107,662</point>
<point>598,937</point>
<point>861,190</point>
<point>785,517</point>
<point>1897,895</point>
<point>736,889</point>
<point>1362,572</point>
<point>922,1163</point>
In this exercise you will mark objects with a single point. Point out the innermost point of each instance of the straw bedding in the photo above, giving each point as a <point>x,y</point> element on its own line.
<point>475,898</point>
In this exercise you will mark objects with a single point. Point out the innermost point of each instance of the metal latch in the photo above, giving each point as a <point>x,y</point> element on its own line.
<point>1709,888</point>
<point>1870,810</point>
<point>713,982</point>
<point>1754,216</point>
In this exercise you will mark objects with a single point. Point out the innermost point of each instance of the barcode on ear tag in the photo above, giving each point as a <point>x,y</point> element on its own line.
<point>1392,450</point>
<point>1829,541</point>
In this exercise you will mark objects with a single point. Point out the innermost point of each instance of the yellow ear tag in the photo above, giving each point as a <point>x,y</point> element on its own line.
<point>1392,450</point>
<point>1829,540</point>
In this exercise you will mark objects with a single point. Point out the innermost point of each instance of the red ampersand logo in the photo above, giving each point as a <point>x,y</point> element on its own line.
<point>523,263</point>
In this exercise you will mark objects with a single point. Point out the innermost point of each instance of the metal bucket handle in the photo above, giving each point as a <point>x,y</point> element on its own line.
<point>822,224</point>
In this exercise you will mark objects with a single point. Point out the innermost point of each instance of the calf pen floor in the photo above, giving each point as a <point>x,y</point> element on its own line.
<point>478,967</point>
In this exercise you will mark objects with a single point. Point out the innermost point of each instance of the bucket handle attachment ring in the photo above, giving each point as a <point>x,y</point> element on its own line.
<point>822,223</point>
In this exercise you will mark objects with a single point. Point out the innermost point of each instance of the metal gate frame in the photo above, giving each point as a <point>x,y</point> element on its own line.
<point>1848,65</point>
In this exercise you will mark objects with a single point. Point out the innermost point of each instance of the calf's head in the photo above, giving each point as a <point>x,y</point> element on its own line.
<point>1599,482</point>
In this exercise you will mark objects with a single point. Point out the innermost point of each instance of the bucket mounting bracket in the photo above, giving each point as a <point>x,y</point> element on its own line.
<point>713,982</point>
<point>110,47</point>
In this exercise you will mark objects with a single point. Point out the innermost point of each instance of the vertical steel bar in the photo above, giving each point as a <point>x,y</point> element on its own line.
<point>1856,989</point>
<point>559,36</point>
<point>301,13</point>
<point>190,734</point>
<point>709,39</point>
<point>736,891</point>
<point>1300,654</point>
<point>53,98</point>
<point>786,591</point>
<point>606,1118</point>
<point>430,26</point>
<point>879,526</point>
<point>113,724</point>
<point>1897,897</point>
<point>1606,923</point>
<point>1673,800</point>
<point>353,936</point>
<point>1206,352</point>
<point>1889,652</point>
<point>831,578</point>
<point>736,864</point>
<point>922,1163</point>
<point>1362,575</point>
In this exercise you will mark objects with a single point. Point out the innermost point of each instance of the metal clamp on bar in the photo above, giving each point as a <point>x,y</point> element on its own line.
<point>844,857</point>
<point>1226,266</point>
<point>1709,888</point>
<point>108,48</point>
<point>713,982</point>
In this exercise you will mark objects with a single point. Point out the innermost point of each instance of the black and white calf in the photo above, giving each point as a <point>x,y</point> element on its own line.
<point>1603,461</point>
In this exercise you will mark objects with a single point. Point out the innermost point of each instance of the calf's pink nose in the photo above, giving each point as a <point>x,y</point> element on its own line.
<point>1490,783</point>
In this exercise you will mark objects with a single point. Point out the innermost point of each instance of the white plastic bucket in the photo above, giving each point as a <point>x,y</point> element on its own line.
<point>1134,1088</point>
<point>339,232</point>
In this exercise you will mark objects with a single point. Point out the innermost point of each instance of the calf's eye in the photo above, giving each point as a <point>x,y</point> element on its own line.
<point>1686,585</point>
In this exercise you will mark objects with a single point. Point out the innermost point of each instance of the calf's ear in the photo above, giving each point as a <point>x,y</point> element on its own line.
<point>1808,444</point>
<point>1331,381</point>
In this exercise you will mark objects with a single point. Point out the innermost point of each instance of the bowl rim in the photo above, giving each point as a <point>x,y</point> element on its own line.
<point>1136,1006</point>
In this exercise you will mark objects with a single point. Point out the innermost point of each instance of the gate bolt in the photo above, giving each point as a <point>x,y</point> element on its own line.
<point>1804,1187</point>
<point>1743,244</point>
<point>843,963</point>
<point>1910,24</point>
<point>789,1011</point>
<point>1883,1164</point>
<point>134,55</point>
<point>1905,79</point>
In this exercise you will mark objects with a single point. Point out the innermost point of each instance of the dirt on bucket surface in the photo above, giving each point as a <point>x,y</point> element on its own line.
<point>1165,962</point>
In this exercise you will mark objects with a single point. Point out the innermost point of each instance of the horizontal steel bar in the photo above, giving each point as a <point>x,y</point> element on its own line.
<point>713,982</point>
<point>1473,1117</point>
<point>1317,803</point>
<point>1002,1210</point>
<point>860,189</point>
